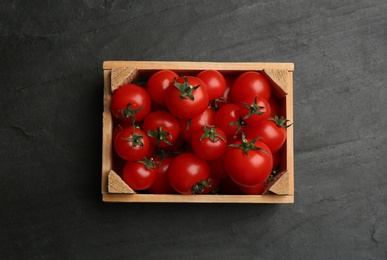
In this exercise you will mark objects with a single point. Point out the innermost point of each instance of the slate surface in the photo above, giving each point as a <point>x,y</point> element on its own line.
<point>50,130</point>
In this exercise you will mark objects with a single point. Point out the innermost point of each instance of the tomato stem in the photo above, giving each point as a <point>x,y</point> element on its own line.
<point>247,145</point>
<point>198,188</point>
<point>210,133</point>
<point>160,135</point>
<point>129,112</point>
<point>254,108</point>
<point>136,139</point>
<point>186,89</point>
<point>280,121</point>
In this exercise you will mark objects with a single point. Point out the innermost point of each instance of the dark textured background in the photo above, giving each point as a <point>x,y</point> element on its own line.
<point>50,136</point>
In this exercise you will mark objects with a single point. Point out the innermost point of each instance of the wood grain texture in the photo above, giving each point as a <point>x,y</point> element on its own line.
<point>121,76</point>
<point>117,185</point>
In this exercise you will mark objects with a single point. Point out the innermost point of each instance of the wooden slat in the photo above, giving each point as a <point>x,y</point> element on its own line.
<point>179,65</point>
<point>117,185</point>
<point>122,75</point>
<point>279,80</point>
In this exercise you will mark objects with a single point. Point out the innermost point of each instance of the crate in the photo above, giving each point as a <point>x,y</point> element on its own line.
<point>116,73</point>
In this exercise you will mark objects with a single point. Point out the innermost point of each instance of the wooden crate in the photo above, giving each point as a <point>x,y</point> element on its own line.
<point>116,73</point>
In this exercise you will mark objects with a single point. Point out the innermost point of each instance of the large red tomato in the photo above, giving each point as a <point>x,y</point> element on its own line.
<point>130,103</point>
<point>248,84</point>
<point>158,84</point>
<point>215,82</point>
<point>187,97</point>
<point>161,184</point>
<point>248,162</point>
<point>131,144</point>
<point>162,128</point>
<point>188,173</point>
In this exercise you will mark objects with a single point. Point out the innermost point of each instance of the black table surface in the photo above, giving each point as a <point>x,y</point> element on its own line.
<point>51,128</point>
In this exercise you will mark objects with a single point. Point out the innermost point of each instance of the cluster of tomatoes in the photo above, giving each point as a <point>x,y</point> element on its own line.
<point>208,133</point>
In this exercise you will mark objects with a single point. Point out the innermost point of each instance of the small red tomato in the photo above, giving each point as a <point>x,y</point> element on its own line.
<point>140,175</point>
<point>162,128</point>
<point>189,126</point>
<point>250,83</point>
<point>188,174</point>
<point>209,142</point>
<point>215,82</point>
<point>131,144</point>
<point>272,132</point>
<point>217,169</point>
<point>213,185</point>
<point>130,103</point>
<point>254,110</point>
<point>158,84</point>
<point>229,119</point>
<point>187,97</point>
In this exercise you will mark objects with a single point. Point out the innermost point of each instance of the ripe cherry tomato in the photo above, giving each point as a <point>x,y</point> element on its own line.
<point>131,144</point>
<point>161,184</point>
<point>188,173</point>
<point>254,109</point>
<point>248,162</point>
<point>162,128</point>
<point>140,175</point>
<point>189,126</point>
<point>272,132</point>
<point>158,84</point>
<point>187,97</point>
<point>130,103</point>
<point>119,127</point>
<point>250,83</point>
<point>228,186</point>
<point>209,142</point>
<point>229,119</point>
<point>215,82</point>
<point>213,185</point>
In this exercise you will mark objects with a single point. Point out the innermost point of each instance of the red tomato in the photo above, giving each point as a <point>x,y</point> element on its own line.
<point>158,84</point>
<point>256,190</point>
<point>215,82</point>
<point>250,83</point>
<point>276,160</point>
<point>130,103</point>
<point>209,142</point>
<point>254,110</point>
<point>188,173</point>
<point>161,184</point>
<point>229,119</point>
<point>140,175</point>
<point>119,127</point>
<point>131,144</point>
<point>189,126</point>
<point>162,128</point>
<point>217,103</point>
<point>230,187</point>
<point>187,97</point>
<point>248,162</point>
<point>272,132</point>
<point>217,169</point>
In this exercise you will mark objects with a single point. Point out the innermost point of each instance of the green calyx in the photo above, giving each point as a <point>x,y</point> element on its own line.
<point>198,188</point>
<point>247,146</point>
<point>160,135</point>
<point>148,163</point>
<point>239,124</point>
<point>129,112</point>
<point>254,108</point>
<point>210,133</point>
<point>186,90</point>
<point>280,121</point>
<point>136,140</point>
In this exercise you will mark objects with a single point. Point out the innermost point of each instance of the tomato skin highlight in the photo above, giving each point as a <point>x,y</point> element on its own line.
<point>134,97</point>
<point>249,169</point>
<point>250,83</point>
<point>128,150</point>
<point>185,171</point>
<point>184,107</point>
<point>158,84</point>
<point>215,82</point>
